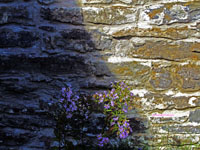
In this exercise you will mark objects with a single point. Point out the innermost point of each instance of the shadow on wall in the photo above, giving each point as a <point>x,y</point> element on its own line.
<point>44,45</point>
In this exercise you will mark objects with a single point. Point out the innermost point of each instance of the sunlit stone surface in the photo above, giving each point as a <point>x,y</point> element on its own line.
<point>152,44</point>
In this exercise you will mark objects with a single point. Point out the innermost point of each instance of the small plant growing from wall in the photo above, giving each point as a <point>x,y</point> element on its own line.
<point>116,104</point>
<point>73,115</point>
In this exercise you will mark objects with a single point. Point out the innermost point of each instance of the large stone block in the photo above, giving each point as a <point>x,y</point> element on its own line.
<point>71,15</point>
<point>161,80</point>
<point>174,33</point>
<point>96,1</point>
<point>78,39</point>
<point>175,141</point>
<point>26,121</point>
<point>60,42</point>
<point>190,76</point>
<point>138,2</point>
<point>187,128</point>
<point>17,38</point>
<point>46,2</point>
<point>110,15</point>
<point>6,1</point>
<point>185,102</point>
<point>168,116</point>
<point>68,64</point>
<point>154,101</point>
<point>16,14</point>
<point>164,14</point>
<point>194,116</point>
<point>164,49</point>
<point>130,71</point>
<point>14,136</point>
<point>184,77</point>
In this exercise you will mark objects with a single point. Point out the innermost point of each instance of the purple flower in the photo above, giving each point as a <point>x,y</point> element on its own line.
<point>124,110</point>
<point>131,94</point>
<point>115,95</point>
<point>100,144</point>
<point>63,91</point>
<point>115,119</point>
<point>69,93</point>
<point>73,103</point>
<point>121,129</point>
<point>69,115</point>
<point>86,116</point>
<point>112,91</point>
<point>76,98</point>
<point>124,129</point>
<point>118,123</point>
<point>112,103</point>
<point>99,137</point>
<point>67,109</point>
<point>123,135</point>
<point>62,100</point>
<point>112,123</point>
<point>102,140</point>
<point>101,100</point>
<point>130,129</point>
<point>114,98</point>
<point>105,140</point>
<point>122,83</point>
<point>107,106</point>
<point>126,124</point>
<point>75,108</point>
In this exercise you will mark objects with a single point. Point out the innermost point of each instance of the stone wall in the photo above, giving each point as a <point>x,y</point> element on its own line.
<point>152,44</point>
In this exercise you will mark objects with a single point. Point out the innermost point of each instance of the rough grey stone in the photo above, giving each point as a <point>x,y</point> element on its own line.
<point>163,81</point>
<point>14,136</point>
<point>101,69</point>
<point>71,41</point>
<point>194,116</point>
<point>182,129</point>
<point>62,14</point>
<point>97,1</point>
<point>110,15</point>
<point>61,63</point>
<point>191,77</point>
<point>47,28</point>
<point>46,2</point>
<point>15,14</point>
<point>10,38</point>
<point>177,13</point>
<point>6,1</point>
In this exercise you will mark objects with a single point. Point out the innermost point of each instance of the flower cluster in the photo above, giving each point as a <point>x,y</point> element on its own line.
<point>72,115</point>
<point>116,103</point>
<point>102,140</point>
<point>69,102</point>
<point>124,129</point>
<point>73,104</point>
